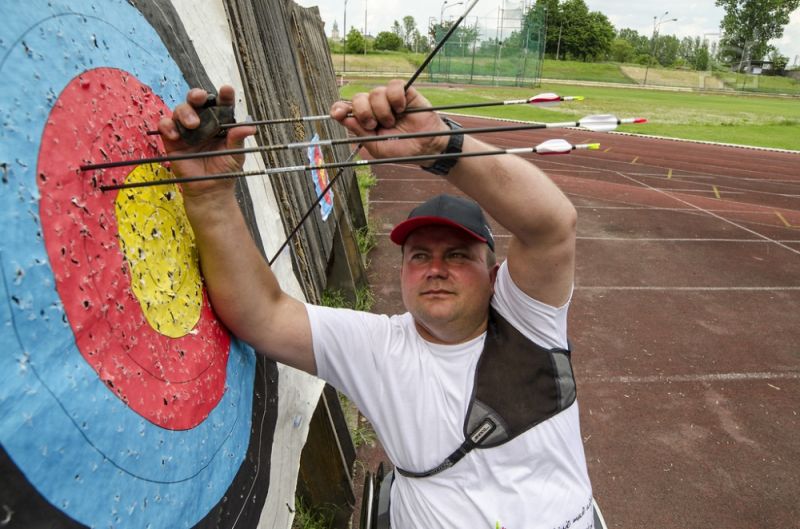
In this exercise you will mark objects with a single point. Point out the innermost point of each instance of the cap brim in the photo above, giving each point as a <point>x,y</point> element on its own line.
<point>401,232</point>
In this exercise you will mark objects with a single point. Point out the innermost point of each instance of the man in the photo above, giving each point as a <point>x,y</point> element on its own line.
<point>413,375</point>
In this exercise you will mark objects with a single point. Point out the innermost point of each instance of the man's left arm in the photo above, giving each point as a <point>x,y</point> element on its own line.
<point>515,192</point>
<point>541,219</point>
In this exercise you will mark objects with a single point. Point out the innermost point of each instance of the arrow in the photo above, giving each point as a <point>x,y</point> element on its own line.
<point>543,100</point>
<point>595,123</point>
<point>545,148</point>
<point>408,84</point>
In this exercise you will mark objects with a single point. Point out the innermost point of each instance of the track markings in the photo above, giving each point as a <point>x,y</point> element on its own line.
<point>669,174</point>
<point>783,219</point>
<point>633,162</point>
<point>716,191</point>
<point>709,212</point>
<point>685,289</point>
<point>701,377</point>
<point>607,150</point>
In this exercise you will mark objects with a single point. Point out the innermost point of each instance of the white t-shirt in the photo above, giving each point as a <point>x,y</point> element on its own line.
<point>416,393</point>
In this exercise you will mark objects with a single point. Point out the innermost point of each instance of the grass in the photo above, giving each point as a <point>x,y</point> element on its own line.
<point>605,72</point>
<point>383,62</point>
<point>366,181</point>
<point>306,517</point>
<point>760,83</point>
<point>366,239</point>
<point>671,77</point>
<point>332,297</point>
<point>401,64</point>
<point>406,63</point>
<point>741,119</point>
<point>361,431</point>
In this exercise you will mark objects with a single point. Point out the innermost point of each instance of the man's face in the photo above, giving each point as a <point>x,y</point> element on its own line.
<point>446,283</point>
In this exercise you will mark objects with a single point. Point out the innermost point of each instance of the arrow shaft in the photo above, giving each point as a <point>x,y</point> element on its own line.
<point>323,117</point>
<point>302,168</point>
<point>342,141</point>
<point>331,165</point>
<point>339,173</point>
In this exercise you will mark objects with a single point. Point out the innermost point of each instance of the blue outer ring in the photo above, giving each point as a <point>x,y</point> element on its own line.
<point>81,447</point>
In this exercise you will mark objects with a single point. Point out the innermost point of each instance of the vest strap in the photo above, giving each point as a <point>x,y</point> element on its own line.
<point>518,385</point>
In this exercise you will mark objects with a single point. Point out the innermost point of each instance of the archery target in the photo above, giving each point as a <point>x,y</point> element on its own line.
<point>117,414</point>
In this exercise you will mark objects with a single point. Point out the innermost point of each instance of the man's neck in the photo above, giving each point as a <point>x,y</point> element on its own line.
<point>450,336</point>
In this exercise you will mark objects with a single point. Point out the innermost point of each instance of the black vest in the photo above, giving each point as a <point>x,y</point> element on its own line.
<point>518,385</point>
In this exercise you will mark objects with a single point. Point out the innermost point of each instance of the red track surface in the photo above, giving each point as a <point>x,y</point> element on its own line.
<point>684,322</point>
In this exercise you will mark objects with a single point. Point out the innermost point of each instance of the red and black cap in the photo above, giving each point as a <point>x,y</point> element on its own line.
<point>446,210</point>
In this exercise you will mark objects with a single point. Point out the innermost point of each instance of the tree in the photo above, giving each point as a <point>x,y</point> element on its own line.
<point>573,31</point>
<point>355,42</point>
<point>585,35</point>
<point>420,43</point>
<point>694,52</point>
<point>554,23</point>
<point>641,44</point>
<point>666,49</point>
<point>533,25</point>
<point>409,27</point>
<point>749,25</point>
<point>622,51</point>
<point>460,41</point>
<point>599,36</point>
<point>386,40</point>
<point>702,57</point>
<point>779,62</point>
<point>397,29</point>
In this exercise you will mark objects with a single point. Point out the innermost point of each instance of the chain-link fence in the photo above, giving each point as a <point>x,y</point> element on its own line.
<point>506,49</point>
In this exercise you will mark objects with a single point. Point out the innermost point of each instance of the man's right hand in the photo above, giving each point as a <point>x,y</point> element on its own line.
<point>187,115</point>
<point>381,112</point>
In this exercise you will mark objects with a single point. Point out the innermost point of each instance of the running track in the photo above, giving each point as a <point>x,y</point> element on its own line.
<point>684,322</point>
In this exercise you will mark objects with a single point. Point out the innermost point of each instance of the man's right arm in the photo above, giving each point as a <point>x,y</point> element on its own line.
<point>244,292</point>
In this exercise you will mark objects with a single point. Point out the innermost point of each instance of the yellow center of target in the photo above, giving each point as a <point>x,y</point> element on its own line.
<point>158,244</point>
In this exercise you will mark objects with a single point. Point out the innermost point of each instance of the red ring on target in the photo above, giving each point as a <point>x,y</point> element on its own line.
<point>172,382</point>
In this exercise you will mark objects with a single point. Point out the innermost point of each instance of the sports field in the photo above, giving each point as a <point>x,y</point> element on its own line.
<point>683,321</point>
<point>754,120</point>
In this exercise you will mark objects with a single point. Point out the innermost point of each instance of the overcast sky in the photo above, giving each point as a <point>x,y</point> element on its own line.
<point>694,18</point>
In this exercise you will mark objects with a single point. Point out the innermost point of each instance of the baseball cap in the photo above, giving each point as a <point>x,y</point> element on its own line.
<point>446,210</point>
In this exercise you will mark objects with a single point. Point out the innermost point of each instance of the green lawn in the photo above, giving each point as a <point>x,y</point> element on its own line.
<point>380,62</point>
<point>741,119</point>
<point>760,83</point>
<point>605,72</point>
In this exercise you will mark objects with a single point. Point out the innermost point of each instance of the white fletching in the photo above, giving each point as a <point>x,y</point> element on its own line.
<point>548,99</point>
<point>554,147</point>
<point>599,122</point>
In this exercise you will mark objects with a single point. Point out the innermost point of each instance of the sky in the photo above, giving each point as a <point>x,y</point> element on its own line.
<point>694,18</point>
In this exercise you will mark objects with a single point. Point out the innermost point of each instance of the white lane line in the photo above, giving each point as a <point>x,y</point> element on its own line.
<point>649,239</point>
<point>654,239</point>
<point>708,377</point>
<point>720,217</point>
<point>654,208</point>
<point>691,289</point>
<point>631,208</point>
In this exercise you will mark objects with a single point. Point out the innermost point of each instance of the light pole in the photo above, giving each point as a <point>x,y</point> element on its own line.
<point>365,28</point>
<point>344,41</point>
<point>558,46</point>
<point>656,27</point>
<point>448,4</point>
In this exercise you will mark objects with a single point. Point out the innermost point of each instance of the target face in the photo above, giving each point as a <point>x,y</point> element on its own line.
<point>124,401</point>
<point>125,264</point>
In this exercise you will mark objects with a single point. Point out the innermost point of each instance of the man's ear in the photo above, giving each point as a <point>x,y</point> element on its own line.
<point>493,275</point>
